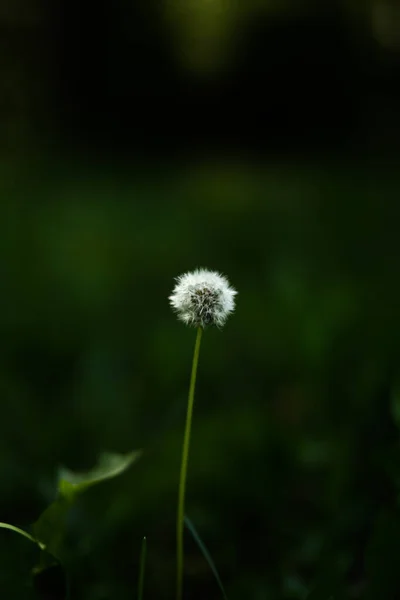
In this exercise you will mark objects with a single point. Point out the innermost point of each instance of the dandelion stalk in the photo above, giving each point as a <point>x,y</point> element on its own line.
<point>200,298</point>
<point>184,464</point>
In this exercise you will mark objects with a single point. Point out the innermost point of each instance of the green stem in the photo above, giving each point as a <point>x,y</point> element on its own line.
<point>184,465</point>
<point>142,568</point>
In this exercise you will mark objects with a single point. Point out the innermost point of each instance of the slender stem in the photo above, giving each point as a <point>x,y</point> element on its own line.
<point>141,568</point>
<point>184,465</point>
<point>24,533</point>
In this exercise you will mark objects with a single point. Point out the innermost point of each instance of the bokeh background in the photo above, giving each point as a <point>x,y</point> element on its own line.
<point>139,140</point>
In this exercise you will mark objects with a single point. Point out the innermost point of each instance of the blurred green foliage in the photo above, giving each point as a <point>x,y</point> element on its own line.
<point>295,449</point>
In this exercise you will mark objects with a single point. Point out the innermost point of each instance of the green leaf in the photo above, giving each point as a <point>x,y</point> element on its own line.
<point>51,525</point>
<point>109,465</point>
<point>206,554</point>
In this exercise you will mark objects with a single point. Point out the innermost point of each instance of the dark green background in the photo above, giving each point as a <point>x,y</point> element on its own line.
<point>122,167</point>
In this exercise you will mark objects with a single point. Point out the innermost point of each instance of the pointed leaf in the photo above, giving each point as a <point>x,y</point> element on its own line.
<point>51,525</point>
<point>206,554</point>
<point>109,465</point>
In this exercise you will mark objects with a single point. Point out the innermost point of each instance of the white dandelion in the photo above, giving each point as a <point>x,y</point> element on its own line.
<point>199,298</point>
<point>203,298</point>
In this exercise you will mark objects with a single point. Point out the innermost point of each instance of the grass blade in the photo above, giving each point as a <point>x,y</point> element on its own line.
<point>206,555</point>
<point>142,564</point>
<point>22,532</point>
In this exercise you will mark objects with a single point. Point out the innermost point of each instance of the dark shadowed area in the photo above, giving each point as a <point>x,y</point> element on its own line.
<point>140,140</point>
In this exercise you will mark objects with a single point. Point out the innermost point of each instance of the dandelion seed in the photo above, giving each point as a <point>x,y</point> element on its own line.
<point>203,298</point>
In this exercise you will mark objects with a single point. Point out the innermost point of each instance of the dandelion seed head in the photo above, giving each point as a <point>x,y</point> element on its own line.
<point>202,298</point>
